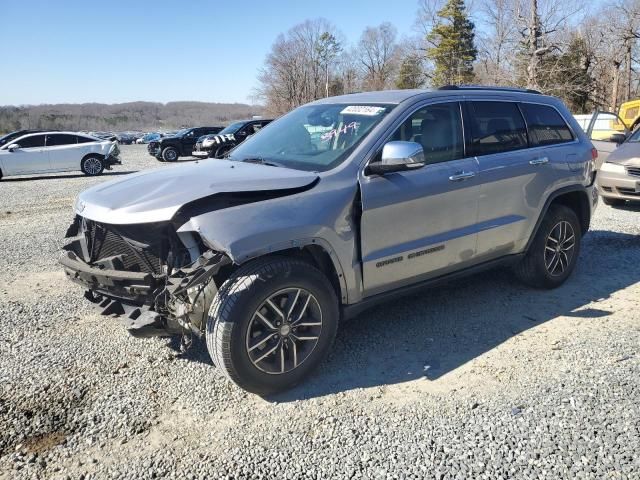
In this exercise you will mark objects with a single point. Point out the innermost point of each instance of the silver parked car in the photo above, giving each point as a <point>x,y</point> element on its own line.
<point>619,176</point>
<point>334,207</point>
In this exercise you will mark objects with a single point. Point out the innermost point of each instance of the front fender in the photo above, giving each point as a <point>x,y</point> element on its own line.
<point>315,217</point>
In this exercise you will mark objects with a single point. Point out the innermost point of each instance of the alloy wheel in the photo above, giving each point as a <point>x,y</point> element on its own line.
<point>284,331</point>
<point>559,248</point>
<point>92,165</point>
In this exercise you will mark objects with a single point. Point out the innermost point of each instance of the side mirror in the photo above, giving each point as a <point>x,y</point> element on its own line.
<point>618,138</point>
<point>398,157</point>
<point>13,147</point>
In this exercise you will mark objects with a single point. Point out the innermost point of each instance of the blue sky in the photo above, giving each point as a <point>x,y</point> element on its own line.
<point>76,51</point>
<point>82,51</point>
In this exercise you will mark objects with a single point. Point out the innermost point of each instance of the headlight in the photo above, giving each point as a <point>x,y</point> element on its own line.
<point>613,168</point>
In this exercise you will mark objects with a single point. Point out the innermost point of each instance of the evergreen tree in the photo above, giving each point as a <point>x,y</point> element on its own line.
<point>453,51</point>
<point>410,74</point>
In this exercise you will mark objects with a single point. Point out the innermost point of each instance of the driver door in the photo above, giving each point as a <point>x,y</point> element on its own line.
<point>31,157</point>
<point>421,223</point>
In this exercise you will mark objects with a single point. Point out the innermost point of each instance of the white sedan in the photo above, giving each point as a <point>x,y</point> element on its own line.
<point>48,152</point>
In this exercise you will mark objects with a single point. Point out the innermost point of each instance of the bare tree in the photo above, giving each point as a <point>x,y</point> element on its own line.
<point>297,68</point>
<point>497,41</point>
<point>377,51</point>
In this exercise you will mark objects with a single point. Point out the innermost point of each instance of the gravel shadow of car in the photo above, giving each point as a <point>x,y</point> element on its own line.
<point>61,177</point>
<point>432,333</point>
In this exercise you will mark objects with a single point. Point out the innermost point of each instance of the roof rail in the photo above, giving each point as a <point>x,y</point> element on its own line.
<point>482,87</point>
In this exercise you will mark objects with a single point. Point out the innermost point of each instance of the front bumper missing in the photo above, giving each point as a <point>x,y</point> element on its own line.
<point>147,304</point>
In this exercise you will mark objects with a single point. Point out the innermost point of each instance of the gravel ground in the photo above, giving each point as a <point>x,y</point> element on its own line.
<point>481,378</point>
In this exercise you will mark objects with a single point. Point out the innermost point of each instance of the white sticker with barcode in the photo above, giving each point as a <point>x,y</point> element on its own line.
<point>368,110</point>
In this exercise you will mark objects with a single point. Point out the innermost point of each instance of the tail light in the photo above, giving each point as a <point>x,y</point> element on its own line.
<point>594,154</point>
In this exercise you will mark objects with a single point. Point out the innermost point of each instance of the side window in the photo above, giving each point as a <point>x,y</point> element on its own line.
<point>33,141</point>
<point>58,139</point>
<point>81,139</point>
<point>546,126</point>
<point>438,128</point>
<point>496,127</point>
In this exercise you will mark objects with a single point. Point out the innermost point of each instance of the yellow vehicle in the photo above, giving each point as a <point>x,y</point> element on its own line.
<point>630,114</point>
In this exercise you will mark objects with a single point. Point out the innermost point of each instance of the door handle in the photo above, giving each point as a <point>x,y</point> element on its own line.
<point>458,177</point>
<point>539,161</point>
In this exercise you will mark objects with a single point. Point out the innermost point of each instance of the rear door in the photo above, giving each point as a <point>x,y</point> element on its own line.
<point>519,147</point>
<point>31,157</point>
<point>600,130</point>
<point>64,152</point>
<point>505,172</point>
<point>421,223</point>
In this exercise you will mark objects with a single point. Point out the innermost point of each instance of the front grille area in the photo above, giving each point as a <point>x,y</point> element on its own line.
<point>628,191</point>
<point>127,247</point>
<point>635,171</point>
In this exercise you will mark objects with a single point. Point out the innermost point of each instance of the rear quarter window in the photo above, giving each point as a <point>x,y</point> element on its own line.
<point>82,139</point>
<point>496,127</point>
<point>546,125</point>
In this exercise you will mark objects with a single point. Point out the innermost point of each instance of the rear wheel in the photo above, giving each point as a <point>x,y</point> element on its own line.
<point>554,251</point>
<point>170,154</point>
<point>92,165</point>
<point>272,323</point>
<point>613,202</point>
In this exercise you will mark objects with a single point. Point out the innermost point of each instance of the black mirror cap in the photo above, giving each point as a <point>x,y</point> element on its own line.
<point>618,138</point>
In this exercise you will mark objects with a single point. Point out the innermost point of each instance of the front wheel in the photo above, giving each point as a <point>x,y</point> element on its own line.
<point>272,323</point>
<point>92,165</point>
<point>553,253</point>
<point>170,154</point>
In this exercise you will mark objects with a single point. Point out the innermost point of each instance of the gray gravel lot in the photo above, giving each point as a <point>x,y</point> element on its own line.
<point>481,378</point>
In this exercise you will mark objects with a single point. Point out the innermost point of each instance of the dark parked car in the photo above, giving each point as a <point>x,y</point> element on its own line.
<point>217,146</point>
<point>169,149</point>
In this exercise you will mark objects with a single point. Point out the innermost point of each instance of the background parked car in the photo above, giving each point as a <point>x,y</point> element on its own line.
<point>48,152</point>
<point>169,149</point>
<point>618,179</point>
<point>218,145</point>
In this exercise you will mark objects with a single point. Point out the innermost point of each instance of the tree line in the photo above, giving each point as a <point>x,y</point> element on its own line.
<point>145,116</point>
<point>567,48</point>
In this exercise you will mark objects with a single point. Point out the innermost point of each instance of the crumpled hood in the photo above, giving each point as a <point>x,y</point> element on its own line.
<point>626,154</point>
<point>156,195</point>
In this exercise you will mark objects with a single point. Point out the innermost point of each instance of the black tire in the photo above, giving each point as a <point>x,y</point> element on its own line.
<point>92,165</point>
<point>160,159</point>
<point>170,154</point>
<point>233,312</point>
<point>613,202</point>
<point>533,269</point>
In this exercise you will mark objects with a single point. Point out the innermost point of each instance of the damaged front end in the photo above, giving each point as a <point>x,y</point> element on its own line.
<point>158,281</point>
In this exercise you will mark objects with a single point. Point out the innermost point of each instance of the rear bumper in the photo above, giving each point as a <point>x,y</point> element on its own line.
<point>200,154</point>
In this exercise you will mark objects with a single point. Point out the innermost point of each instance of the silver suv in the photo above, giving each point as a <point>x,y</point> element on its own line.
<point>334,207</point>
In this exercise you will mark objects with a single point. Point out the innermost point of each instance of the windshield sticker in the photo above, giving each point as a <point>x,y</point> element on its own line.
<point>347,128</point>
<point>367,110</point>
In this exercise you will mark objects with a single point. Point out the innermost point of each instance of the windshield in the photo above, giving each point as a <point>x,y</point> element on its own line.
<point>233,128</point>
<point>635,136</point>
<point>182,132</point>
<point>9,136</point>
<point>312,138</point>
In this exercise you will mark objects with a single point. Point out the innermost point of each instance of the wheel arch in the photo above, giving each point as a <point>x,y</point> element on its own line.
<point>573,197</point>
<point>92,154</point>
<point>315,251</point>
